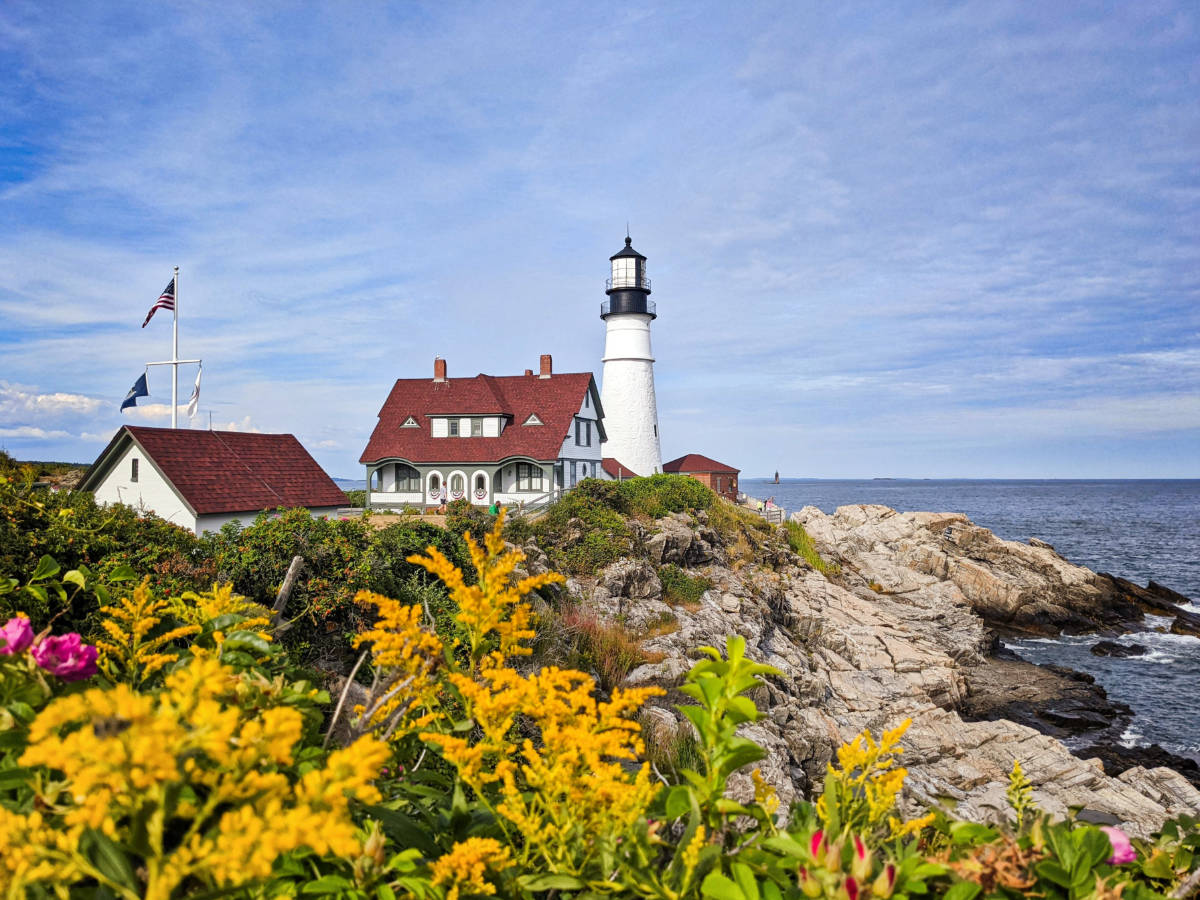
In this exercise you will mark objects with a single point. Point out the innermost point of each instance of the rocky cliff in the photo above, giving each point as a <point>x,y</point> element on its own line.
<point>906,629</point>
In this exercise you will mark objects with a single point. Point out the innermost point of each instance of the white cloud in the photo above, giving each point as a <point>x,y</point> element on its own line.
<point>18,401</point>
<point>28,431</point>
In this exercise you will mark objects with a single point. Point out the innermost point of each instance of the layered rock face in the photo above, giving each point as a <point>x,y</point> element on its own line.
<point>902,632</point>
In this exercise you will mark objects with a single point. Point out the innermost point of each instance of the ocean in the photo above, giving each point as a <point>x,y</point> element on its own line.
<point>1136,529</point>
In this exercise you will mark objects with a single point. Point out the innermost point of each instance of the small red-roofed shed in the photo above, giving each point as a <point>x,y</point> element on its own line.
<point>721,478</point>
<point>616,470</point>
<point>203,479</point>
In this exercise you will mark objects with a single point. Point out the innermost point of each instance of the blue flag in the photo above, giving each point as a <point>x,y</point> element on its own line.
<point>139,389</point>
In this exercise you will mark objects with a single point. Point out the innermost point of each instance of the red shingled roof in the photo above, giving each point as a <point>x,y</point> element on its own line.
<point>616,469</point>
<point>228,471</point>
<point>555,401</point>
<point>694,462</point>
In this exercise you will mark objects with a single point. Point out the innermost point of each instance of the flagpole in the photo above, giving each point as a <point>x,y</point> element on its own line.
<point>175,357</point>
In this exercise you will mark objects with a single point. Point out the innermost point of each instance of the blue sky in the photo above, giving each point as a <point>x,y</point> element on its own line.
<point>923,239</point>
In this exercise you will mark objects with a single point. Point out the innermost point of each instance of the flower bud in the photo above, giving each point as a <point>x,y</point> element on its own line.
<point>849,889</point>
<point>885,883</point>
<point>809,885</point>
<point>860,863</point>
<point>816,846</point>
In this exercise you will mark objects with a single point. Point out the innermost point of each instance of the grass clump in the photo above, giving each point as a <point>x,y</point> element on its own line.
<point>606,649</point>
<point>802,544</point>
<point>681,589</point>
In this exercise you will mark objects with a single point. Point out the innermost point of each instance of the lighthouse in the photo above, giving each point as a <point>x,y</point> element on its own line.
<point>627,396</point>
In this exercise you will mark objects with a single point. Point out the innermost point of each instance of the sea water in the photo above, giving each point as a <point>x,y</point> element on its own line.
<point>1135,529</point>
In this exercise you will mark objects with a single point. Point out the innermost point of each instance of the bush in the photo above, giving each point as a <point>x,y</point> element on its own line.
<point>357,499</point>
<point>464,516</point>
<point>71,528</point>
<point>681,589</point>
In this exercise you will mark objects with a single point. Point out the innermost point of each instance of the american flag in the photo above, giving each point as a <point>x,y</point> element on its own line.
<point>166,300</point>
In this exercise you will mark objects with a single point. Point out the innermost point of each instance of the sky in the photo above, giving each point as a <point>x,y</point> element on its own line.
<point>886,240</point>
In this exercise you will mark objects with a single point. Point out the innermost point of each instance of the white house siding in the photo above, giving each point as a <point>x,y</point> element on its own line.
<point>491,427</point>
<point>151,492</point>
<point>438,428</point>
<point>630,407</point>
<point>582,455</point>
<point>216,521</point>
<point>397,498</point>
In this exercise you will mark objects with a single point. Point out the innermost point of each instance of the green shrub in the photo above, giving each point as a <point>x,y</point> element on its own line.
<point>356,498</point>
<point>464,516</point>
<point>802,544</point>
<point>679,588</point>
<point>71,528</point>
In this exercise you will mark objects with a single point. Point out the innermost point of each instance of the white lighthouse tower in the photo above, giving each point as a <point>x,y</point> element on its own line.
<point>627,396</point>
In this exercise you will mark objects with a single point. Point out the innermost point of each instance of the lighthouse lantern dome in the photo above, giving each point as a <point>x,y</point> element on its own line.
<point>628,269</point>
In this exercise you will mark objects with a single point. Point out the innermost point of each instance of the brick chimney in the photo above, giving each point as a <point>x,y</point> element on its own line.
<point>439,369</point>
<point>547,366</point>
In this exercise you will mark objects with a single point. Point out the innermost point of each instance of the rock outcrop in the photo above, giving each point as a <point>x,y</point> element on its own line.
<point>905,631</point>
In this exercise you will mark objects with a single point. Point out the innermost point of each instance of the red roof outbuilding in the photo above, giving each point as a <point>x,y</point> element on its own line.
<point>694,462</point>
<point>227,471</point>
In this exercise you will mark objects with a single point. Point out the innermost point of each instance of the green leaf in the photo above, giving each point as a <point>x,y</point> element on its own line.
<point>786,845</point>
<point>108,857</point>
<point>247,640</point>
<point>123,572</point>
<point>963,890</point>
<point>327,884</point>
<point>1052,871</point>
<point>38,591</point>
<point>550,882</point>
<point>742,709</point>
<point>46,567</point>
<point>678,803</point>
<point>76,578</point>
<point>719,887</point>
<point>14,777</point>
<point>745,881</point>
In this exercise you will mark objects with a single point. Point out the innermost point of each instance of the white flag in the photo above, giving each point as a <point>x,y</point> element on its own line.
<point>195,399</point>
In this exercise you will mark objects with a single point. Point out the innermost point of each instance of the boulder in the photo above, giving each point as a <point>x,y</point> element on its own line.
<point>1122,651</point>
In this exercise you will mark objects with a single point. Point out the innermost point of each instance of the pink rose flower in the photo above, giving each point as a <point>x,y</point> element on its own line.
<point>15,636</point>
<point>1123,851</point>
<point>66,656</point>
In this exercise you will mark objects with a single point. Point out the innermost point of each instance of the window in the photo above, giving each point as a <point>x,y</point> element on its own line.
<point>377,480</point>
<point>583,472</point>
<point>458,485</point>
<point>407,478</point>
<point>477,428</point>
<point>410,422</point>
<point>583,432</point>
<point>587,400</point>
<point>435,485</point>
<point>529,477</point>
<point>453,423</point>
<point>533,420</point>
<point>133,466</point>
<point>574,473</point>
<point>480,483</point>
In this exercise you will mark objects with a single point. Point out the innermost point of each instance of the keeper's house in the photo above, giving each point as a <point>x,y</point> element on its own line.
<point>721,478</point>
<point>203,479</point>
<point>507,439</point>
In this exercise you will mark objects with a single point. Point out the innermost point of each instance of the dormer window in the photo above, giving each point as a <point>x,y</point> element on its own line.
<point>477,428</point>
<point>533,420</point>
<point>410,422</point>
<point>453,423</point>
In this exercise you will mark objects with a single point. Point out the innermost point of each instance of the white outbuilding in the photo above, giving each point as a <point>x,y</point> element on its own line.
<point>202,479</point>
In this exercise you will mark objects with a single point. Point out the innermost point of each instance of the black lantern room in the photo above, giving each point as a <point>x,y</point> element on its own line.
<point>628,287</point>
